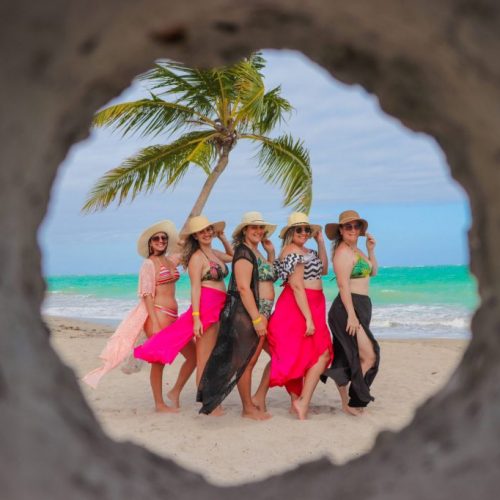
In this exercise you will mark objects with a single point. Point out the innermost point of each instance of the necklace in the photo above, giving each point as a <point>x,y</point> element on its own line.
<point>353,250</point>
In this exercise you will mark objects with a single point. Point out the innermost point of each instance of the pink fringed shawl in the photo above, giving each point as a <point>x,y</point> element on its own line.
<point>121,343</point>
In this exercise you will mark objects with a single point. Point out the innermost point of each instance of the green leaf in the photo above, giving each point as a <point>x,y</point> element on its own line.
<point>148,117</point>
<point>153,166</point>
<point>285,162</point>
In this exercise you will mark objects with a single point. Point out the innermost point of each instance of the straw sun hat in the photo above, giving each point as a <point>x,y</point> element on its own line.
<point>254,218</point>
<point>332,229</point>
<point>200,222</point>
<point>299,219</point>
<point>164,226</point>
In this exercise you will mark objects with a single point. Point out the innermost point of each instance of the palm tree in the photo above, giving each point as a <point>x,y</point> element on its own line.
<point>210,110</point>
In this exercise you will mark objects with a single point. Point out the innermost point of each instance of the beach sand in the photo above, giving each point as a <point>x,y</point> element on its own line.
<point>229,449</point>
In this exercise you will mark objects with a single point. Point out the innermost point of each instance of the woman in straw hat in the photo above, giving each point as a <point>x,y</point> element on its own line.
<point>299,340</point>
<point>357,353</point>
<point>207,270</point>
<point>243,320</point>
<point>156,310</point>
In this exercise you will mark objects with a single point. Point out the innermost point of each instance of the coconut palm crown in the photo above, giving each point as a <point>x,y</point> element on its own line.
<point>209,110</point>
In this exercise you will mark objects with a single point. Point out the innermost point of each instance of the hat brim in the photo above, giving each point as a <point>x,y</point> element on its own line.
<point>218,226</point>
<point>332,228</point>
<point>164,226</point>
<point>315,228</point>
<point>270,228</point>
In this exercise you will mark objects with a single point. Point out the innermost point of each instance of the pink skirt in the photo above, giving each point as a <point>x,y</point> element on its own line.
<point>292,353</point>
<point>164,346</point>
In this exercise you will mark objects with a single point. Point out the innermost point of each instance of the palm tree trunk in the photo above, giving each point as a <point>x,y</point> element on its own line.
<point>209,184</point>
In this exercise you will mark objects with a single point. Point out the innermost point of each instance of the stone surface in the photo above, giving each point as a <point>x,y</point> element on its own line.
<point>433,65</point>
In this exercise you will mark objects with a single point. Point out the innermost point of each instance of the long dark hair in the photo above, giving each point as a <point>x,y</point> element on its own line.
<point>239,238</point>
<point>191,244</point>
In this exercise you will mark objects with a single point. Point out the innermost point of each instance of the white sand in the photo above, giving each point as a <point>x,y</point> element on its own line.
<point>230,449</point>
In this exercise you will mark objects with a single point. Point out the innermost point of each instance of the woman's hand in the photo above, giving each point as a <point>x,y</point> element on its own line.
<point>310,328</point>
<point>268,246</point>
<point>197,327</point>
<point>318,236</point>
<point>261,326</point>
<point>370,242</point>
<point>352,325</point>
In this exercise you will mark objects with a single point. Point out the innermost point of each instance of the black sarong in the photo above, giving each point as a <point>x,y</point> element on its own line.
<point>236,343</point>
<point>346,366</point>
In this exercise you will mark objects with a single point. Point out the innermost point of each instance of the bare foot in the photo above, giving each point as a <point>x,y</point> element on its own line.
<point>300,408</point>
<point>255,414</point>
<point>349,410</point>
<point>163,408</point>
<point>259,403</point>
<point>218,412</point>
<point>174,397</point>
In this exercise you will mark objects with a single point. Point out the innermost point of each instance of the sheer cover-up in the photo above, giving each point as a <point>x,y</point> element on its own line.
<point>164,346</point>
<point>121,343</point>
<point>346,366</point>
<point>236,342</point>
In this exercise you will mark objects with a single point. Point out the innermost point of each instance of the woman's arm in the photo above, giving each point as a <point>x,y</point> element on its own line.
<point>296,281</point>
<point>149,303</point>
<point>322,251</point>
<point>228,256</point>
<point>243,270</point>
<point>342,266</point>
<point>195,267</point>
<point>370,248</point>
<point>268,246</point>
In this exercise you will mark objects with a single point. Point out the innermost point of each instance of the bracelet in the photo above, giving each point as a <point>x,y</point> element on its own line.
<point>195,313</point>
<point>256,321</point>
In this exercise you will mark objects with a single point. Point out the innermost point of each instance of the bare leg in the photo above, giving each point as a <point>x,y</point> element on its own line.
<point>244,388</point>
<point>156,374</point>
<point>345,400</point>
<point>311,380</point>
<point>259,398</point>
<point>367,355</point>
<point>155,377</point>
<point>187,368</point>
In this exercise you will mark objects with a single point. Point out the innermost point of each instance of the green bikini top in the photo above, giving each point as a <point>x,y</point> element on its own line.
<point>362,268</point>
<point>266,271</point>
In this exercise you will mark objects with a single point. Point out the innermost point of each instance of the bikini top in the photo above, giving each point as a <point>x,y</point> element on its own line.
<point>362,268</point>
<point>266,271</point>
<point>215,272</point>
<point>165,276</point>
<point>313,266</point>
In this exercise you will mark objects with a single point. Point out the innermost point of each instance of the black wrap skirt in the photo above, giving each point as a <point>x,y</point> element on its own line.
<point>346,366</point>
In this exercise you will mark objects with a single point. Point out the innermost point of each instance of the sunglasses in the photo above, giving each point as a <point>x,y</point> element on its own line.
<point>208,229</point>
<point>256,226</point>
<point>159,237</point>
<point>349,227</point>
<point>306,229</point>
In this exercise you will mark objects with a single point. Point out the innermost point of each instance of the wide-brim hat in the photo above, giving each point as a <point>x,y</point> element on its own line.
<point>200,222</point>
<point>254,218</point>
<point>164,226</point>
<point>332,229</point>
<point>299,219</point>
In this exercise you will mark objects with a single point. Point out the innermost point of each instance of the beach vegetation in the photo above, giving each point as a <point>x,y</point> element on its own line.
<point>205,114</point>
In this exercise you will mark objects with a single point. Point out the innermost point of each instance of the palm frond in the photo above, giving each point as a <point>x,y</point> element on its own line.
<point>153,166</point>
<point>250,90</point>
<point>285,162</point>
<point>148,117</point>
<point>196,88</point>
<point>274,111</point>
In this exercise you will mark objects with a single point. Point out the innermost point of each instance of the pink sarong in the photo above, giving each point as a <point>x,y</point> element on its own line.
<point>121,343</point>
<point>164,346</point>
<point>292,353</point>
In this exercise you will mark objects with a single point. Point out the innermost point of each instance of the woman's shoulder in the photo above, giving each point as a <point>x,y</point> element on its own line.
<point>148,264</point>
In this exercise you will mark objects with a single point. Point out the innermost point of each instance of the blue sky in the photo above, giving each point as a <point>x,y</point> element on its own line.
<point>361,159</point>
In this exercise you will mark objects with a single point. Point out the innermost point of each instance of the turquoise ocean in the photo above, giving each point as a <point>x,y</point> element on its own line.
<point>408,302</point>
